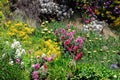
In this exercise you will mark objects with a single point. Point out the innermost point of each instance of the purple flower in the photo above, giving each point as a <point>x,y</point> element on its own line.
<point>36,66</point>
<point>18,60</point>
<point>70,34</point>
<point>63,31</point>
<point>35,75</point>
<point>79,41</point>
<point>114,66</point>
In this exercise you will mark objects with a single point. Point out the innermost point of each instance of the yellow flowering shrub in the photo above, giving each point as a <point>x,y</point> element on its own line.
<point>18,30</point>
<point>5,7</point>
<point>49,48</point>
<point>109,11</point>
<point>116,22</point>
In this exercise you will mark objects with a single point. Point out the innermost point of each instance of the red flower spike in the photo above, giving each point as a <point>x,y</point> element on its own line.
<point>78,56</point>
<point>75,48</point>
<point>66,42</point>
<point>62,38</point>
<point>45,66</point>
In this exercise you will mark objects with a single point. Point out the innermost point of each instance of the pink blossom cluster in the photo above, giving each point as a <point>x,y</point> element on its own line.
<point>41,68</point>
<point>36,68</point>
<point>70,43</point>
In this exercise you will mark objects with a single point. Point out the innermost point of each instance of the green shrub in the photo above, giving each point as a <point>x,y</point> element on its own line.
<point>7,70</point>
<point>10,72</point>
<point>94,72</point>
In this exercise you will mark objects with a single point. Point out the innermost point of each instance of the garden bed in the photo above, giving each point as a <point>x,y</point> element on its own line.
<point>55,50</point>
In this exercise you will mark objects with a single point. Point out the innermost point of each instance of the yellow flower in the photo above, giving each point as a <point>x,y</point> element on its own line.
<point>112,17</point>
<point>45,29</point>
<point>38,53</point>
<point>49,41</point>
<point>101,49</point>
<point>9,22</point>
<point>32,30</point>
<point>100,39</point>
<point>69,30</point>
<point>6,25</point>
<point>97,12</point>
<point>42,32</point>
<point>44,50</point>
<point>25,37</point>
<point>107,12</point>
<point>49,32</point>
<point>102,15</point>
<point>58,48</point>
<point>43,23</point>
<point>46,21</point>
<point>53,20</point>
<point>90,40</point>
<point>25,25</point>
<point>94,51</point>
<point>10,33</point>
<point>49,53</point>
<point>13,30</point>
<point>19,24</point>
<point>27,30</point>
<point>21,33</point>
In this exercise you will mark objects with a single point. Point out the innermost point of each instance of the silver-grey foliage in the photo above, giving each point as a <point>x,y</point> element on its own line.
<point>43,9</point>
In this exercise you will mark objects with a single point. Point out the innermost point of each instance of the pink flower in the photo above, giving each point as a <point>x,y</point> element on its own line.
<point>87,21</point>
<point>75,48</point>
<point>37,66</point>
<point>49,59</point>
<point>66,42</point>
<point>78,56</point>
<point>71,38</point>
<point>90,15</point>
<point>68,26</point>
<point>56,32</point>
<point>18,60</point>
<point>45,58</point>
<point>35,75</point>
<point>70,48</point>
<point>63,31</point>
<point>33,65</point>
<point>70,34</point>
<point>92,18</point>
<point>79,41</point>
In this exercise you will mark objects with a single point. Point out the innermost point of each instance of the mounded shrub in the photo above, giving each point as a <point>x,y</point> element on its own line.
<point>42,9</point>
<point>109,11</point>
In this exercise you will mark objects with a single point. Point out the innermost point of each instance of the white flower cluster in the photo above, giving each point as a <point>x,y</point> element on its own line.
<point>50,7</point>
<point>17,46</point>
<point>95,25</point>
